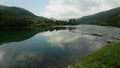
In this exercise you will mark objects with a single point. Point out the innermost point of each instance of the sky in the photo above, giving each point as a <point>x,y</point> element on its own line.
<point>63,9</point>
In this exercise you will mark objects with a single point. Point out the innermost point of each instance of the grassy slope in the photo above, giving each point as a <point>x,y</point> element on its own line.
<point>107,57</point>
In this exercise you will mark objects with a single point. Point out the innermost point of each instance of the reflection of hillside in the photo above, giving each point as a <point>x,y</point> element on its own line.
<point>15,35</point>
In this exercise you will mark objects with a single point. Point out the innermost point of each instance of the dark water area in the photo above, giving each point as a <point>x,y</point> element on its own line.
<point>55,47</point>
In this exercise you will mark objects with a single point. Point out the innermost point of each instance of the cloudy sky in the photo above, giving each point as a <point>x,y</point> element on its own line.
<point>63,9</point>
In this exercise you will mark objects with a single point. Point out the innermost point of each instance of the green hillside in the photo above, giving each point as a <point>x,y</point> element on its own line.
<point>108,18</point>
<point>15,11</point>
<point>14,16</point>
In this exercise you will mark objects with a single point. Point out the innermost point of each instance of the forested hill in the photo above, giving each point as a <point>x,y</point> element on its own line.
<point>15,11</point>
<point>14,16</point>
<point>108,18</point>
<point>19,17</point>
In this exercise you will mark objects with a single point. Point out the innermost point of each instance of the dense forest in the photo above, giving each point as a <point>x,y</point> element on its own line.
<point>107,18</point>
<point>19,17</point>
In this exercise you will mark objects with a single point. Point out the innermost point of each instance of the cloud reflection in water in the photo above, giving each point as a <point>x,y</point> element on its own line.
<point>54,49</point>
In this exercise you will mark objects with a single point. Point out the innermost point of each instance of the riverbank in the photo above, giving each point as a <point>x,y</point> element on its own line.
<point>106,57</point>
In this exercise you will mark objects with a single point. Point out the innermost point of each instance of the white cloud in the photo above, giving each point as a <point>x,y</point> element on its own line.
<point>4,1</point>
<point>1,1</point>
<point>64,9</point>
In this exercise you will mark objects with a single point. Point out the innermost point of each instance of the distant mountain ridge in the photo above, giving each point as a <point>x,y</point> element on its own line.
<point>109,18</point>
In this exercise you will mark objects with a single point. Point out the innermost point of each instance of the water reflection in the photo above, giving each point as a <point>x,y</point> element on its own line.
<point>53,48</point>
<point>16,34</point>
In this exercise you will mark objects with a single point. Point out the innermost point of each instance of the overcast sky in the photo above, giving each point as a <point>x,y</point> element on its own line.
<point>63,9</point>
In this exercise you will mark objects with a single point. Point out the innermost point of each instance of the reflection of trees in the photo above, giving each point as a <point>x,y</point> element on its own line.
<point>15,35</point>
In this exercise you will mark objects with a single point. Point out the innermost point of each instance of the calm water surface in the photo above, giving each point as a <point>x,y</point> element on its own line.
<point>52,48</point>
